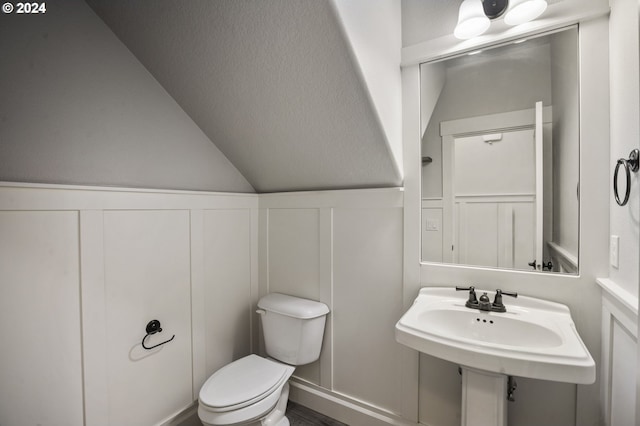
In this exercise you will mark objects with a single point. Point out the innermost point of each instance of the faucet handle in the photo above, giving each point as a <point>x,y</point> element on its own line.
<point>471,289</point>
<point>507,293</point>
<point>473,300</point>
<point>497,302</point>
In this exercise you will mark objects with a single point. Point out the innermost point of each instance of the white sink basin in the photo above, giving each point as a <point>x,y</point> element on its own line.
<point>534,338</point>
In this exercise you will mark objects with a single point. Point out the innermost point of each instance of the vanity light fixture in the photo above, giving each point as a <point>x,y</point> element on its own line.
<point>522,11</point>
<point>472,21</point>
<point>474,16</point>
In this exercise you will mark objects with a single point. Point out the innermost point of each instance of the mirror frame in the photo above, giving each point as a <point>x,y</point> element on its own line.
<point>591,16</point>
<point>565,258</point>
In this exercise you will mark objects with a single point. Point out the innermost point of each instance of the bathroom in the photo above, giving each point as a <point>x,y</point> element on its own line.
<point>167,163</point>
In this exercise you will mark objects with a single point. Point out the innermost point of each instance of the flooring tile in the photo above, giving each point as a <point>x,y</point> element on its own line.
<point>299,415</point>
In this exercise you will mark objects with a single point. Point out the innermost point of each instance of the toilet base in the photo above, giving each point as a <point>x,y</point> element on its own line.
<point>277,416</point>
<point>284,422</point>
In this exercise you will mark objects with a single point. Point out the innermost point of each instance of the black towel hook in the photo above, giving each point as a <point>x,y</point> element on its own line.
<point>152,328</point>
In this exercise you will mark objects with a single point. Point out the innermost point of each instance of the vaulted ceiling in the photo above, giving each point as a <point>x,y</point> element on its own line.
<point>274,84</point>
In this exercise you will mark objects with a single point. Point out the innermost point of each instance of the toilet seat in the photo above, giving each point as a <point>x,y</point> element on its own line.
<point>244,390</point>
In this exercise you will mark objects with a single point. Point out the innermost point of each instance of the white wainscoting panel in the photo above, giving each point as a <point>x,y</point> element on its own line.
<point>83,270</point>
<point>41,368</point>
<point>623,383</point>
<point>439,400</point>
<point>227,266</point>
<point>147,270</point>
<point>294,252</point>
<point>367,284</point>
<point>343,248</point>
<point>294,261</point>
<point>619,354</point>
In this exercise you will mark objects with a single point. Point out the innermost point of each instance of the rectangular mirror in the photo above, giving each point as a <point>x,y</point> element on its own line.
<point>500,156</point>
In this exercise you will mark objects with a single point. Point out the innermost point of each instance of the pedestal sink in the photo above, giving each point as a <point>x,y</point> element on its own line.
<point>534,338</point>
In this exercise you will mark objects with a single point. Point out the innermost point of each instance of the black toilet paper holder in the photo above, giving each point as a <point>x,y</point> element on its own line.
<point>153,327</point>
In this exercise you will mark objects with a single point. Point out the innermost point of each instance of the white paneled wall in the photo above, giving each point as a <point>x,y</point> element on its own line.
<point>343,248</point>
<point>294,252</point>
<point>367,293</point>
<point>40,353</point>
<point>147,276</point>
<point>227,249</point>
<point>619,354</point>
<point>294,261</point>
<point>82,271</point>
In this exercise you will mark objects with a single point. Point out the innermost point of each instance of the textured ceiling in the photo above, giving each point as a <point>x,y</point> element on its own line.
<point>270,82</point>
<point>424,20</point>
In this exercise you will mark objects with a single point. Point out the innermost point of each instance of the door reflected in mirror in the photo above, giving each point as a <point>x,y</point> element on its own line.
<point>500,149</point>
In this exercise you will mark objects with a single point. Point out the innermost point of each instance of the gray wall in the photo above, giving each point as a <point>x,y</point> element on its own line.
<point>273,83</point>
<point>78,108</point>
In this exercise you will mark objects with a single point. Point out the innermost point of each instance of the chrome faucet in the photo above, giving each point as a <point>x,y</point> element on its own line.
<point>484,303</point>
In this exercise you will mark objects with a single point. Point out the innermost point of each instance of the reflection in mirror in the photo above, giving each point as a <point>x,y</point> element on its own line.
<point>500,148</point>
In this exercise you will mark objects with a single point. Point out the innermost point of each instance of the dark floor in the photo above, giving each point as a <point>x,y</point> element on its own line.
<point>299,415</point>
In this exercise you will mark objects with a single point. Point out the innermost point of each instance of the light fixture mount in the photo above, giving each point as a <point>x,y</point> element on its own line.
<point>494,8</point>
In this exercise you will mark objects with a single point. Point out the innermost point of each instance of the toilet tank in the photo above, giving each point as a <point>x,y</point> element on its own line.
<point>292,327</point>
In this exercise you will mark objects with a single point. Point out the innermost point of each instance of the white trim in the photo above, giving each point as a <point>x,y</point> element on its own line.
<point>342,407</point>
<point>263,275</point>
<point>494,198</point>
<point>345,198</point>
<point>255,278</point>
<point>325,267</point>
<point>56,186</point>
<point>500,122</point>
<point>412,217</point>
<point>198,308</point>
<point>557,16</point>
<point>94,319</point>
<point>617,295</point>
<point>19,196</point>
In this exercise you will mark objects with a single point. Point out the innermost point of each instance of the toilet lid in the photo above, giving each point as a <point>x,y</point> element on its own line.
<point>243,382</point>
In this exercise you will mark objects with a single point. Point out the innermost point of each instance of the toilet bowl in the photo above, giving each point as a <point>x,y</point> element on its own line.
<point>244,391</point>
<point>254,390</point>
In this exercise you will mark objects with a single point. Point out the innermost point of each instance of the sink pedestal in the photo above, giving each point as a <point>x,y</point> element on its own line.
<point>484,398</point>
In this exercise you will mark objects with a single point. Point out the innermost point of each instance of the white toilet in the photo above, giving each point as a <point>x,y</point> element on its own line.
<point>254,390</point>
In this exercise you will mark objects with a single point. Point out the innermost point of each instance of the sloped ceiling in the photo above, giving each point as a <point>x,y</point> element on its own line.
<point>270,82</point>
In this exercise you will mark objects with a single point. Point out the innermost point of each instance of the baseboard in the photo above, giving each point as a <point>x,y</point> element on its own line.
<point>186,417</point>
<point>341,407</point>
<point>337,406</point>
